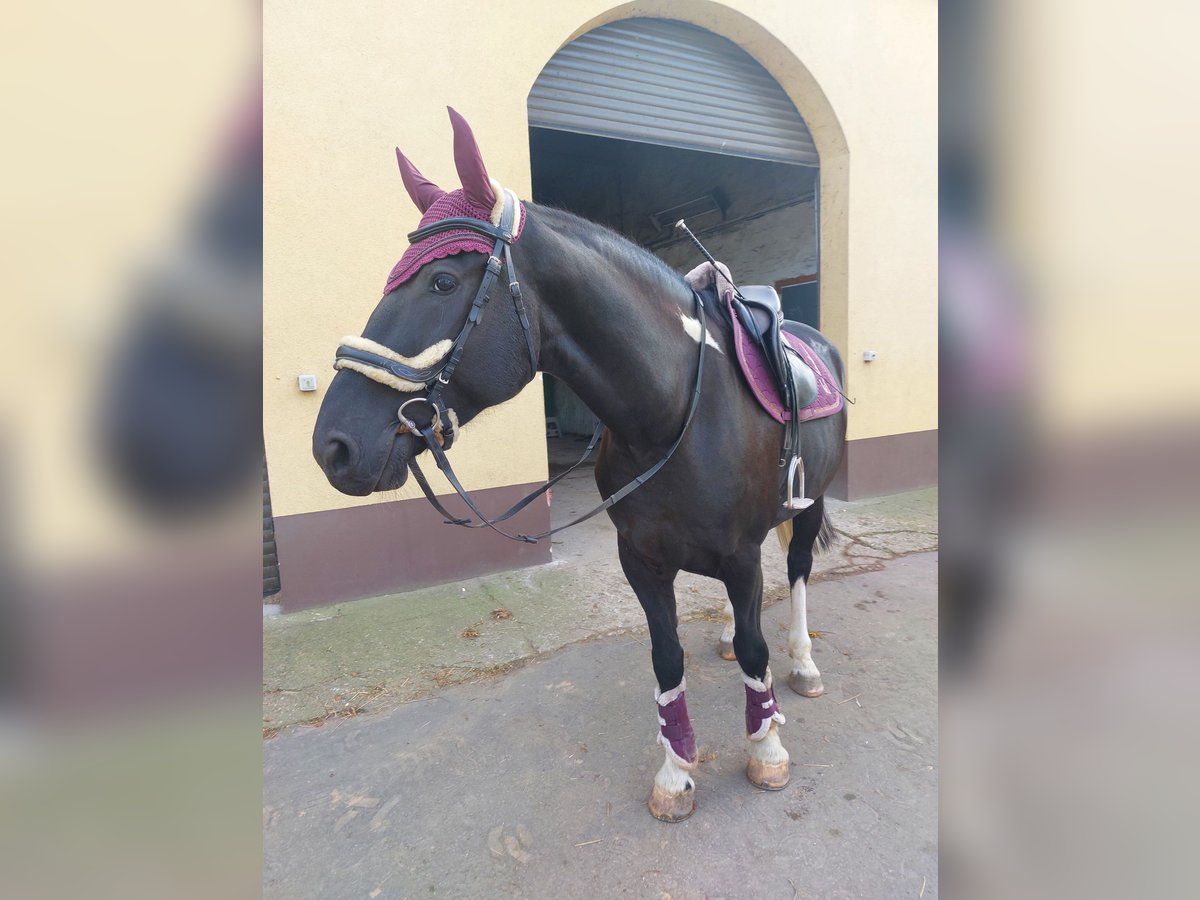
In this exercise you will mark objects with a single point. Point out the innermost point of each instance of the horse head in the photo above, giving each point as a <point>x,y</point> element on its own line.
<point>428,356</point>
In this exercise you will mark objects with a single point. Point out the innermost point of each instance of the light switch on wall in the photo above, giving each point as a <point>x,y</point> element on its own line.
<point>307,382</point>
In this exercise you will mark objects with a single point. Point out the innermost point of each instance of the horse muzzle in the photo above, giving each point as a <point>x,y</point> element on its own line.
<point>358,471</point>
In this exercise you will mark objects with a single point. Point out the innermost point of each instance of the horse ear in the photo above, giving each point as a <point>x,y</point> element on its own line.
<point>423,191</point>
<point>469,162</point>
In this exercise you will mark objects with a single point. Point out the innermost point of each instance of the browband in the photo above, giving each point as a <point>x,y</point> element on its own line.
<point>455,223</point>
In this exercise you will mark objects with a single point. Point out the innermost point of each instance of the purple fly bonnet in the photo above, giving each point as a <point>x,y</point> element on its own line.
<point>480,197</point>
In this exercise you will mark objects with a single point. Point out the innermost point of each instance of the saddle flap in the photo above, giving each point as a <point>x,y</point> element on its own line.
<point>804,379</point>
<point>764,306</point>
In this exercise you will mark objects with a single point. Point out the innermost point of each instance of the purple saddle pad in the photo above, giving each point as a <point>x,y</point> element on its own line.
<point>754,368</point>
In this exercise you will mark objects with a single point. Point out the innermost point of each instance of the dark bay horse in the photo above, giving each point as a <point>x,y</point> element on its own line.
<point>622,330</point>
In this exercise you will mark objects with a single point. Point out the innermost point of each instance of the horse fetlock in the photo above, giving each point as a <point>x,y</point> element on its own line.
<point>800,646</point>
<point>804,678</point>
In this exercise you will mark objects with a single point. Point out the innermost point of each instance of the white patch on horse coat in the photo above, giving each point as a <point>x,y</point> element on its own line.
<point>799,641</point>
<point>768,749</point>
<point>762,686</point>
<point>692,327</point>
<point>673,778</point>
<point>422,360</point>
<point>727,615</point>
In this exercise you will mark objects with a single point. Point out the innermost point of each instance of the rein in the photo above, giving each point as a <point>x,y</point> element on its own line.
<point>440,431</point>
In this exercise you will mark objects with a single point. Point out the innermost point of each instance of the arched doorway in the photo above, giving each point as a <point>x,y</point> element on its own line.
<point>643,121</point>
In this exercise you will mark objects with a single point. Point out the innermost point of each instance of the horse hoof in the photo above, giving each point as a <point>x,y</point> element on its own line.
<point>768,777</point>
<point>806,685</point>
<point>725,651</point>
<point>666,808</point>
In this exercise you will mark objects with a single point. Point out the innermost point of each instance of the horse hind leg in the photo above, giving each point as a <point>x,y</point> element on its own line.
<point>725,646</point>
<point>768,766</point>
<point>804,677</point>
<point>673,797</point>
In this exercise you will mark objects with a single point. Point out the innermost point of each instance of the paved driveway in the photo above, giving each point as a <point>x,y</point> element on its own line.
<point>532,782</point>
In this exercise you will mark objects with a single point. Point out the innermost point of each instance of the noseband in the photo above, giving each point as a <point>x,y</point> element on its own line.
<point>439,432</point>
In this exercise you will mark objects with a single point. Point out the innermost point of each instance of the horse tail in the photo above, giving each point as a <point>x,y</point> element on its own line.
<point>825,536</point>
<point>784,533</point>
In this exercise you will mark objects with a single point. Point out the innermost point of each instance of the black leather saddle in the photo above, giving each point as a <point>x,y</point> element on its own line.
<point>761,312</point>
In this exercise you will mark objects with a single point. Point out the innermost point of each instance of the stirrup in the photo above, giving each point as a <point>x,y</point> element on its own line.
<point>795,479</point>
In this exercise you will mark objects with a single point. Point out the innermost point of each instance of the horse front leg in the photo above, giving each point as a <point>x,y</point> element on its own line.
<point>768,767</point>
<point>673,797</point>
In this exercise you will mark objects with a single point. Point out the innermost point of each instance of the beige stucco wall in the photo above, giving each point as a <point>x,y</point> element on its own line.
<point>103,165</point>
<point>347,82</point>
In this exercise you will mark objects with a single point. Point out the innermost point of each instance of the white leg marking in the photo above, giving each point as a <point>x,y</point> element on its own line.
<point>692,327</point>
<point>672,779</point>
<point>727,615</point>
<point>769,750</point>
<point>799,642</point>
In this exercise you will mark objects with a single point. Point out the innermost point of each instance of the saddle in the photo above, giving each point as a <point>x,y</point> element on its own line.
<point>756,315</point>
<point>760,312</point>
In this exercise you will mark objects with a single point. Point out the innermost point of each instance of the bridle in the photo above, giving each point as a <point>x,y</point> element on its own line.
<point>440,431</point>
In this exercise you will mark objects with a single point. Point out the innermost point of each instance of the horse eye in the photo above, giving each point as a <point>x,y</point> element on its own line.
<point>444,284</point>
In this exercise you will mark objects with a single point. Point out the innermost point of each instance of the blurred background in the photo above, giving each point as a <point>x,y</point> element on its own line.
<point>1070,394</point>
<point>130,449</point>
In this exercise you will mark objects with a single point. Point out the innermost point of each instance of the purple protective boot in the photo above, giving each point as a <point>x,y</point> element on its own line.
<point>674,796</point>
<point>761,708</point>
<point>674,726</point>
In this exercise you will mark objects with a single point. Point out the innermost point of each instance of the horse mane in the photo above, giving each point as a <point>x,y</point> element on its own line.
<point>609,243</point>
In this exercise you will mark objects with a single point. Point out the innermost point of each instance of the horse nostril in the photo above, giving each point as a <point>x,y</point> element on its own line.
<point>339,453</point>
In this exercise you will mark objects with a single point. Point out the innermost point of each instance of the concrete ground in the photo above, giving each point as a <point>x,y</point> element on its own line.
<point>494,738</point>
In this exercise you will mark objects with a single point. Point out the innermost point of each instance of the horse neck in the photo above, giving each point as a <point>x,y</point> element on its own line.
<point>610,328</point>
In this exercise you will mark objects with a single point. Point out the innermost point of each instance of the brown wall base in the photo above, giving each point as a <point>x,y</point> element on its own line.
<point>886,465</point>
<point>345,554</point>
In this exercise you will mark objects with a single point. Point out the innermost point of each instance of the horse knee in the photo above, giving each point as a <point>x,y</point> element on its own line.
<point>752,652</point>
<point>668,665</point>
